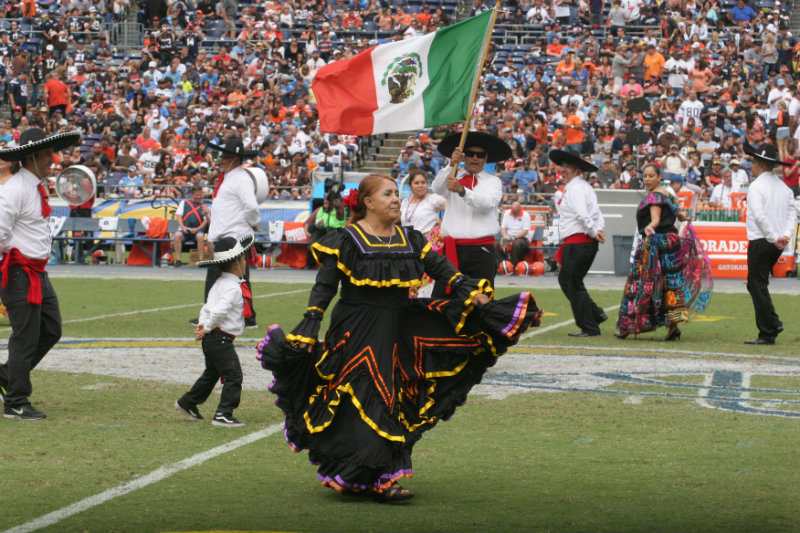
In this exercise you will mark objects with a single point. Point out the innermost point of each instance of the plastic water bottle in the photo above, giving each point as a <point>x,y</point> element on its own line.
<point>165,260</point>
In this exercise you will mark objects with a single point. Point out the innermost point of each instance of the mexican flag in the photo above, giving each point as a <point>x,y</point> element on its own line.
<point>413,84</point>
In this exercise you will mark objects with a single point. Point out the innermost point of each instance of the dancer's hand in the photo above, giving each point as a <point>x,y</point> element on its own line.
<point>481,299</point>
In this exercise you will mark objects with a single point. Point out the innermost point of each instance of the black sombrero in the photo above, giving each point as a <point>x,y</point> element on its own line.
<point>34,140</point>
<point>233,146</point>
<point>227,249</point>
<point>765,153</point>
<point>559,157</point>
<point>496,148</point>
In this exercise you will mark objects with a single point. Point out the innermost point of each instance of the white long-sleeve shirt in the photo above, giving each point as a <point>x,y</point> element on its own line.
<point>234,212</point>
<point>224,306</point>
<point>22,225</point>
<point>771,211</point>
<point>578,211</point>
<point>476,214</point>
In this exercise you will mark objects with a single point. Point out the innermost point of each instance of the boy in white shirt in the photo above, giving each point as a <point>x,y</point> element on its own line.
<point>221,321</point>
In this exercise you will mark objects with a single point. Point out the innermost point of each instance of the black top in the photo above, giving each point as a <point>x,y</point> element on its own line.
<point>669,210</point>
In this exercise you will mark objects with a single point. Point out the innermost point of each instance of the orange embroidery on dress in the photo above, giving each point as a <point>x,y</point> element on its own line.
<point>367,357</point>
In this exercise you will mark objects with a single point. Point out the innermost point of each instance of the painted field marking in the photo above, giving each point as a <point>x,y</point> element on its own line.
<point>155,476</point>
<point>157,309</point>
<point>539,331</point>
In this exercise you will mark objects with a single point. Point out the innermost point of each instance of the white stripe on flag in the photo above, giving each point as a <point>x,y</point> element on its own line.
<point>410,115</point>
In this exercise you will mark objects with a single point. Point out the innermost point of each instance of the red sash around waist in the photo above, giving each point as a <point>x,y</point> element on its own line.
<point>575,238</point>
<point>225,332</point>
<point>450,244</point>
<point>31,267</point>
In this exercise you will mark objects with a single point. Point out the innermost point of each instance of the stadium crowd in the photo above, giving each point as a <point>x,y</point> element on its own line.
<point>681,83</point>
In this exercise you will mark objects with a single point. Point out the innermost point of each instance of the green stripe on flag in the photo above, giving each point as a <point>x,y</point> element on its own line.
<point>452,61</point>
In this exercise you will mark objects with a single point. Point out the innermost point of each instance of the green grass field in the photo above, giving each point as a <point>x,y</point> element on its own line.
<point>638,452</point>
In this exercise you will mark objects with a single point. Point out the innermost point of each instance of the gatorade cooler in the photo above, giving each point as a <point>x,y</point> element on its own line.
<point>785,267</point>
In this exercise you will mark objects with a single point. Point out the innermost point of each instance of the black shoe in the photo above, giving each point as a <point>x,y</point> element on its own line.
<point>760,340</point>
<point>190,411</point>
<point>393,493</point>
<point>621,335</point>
<point>673,335</point>
<point>224,420</point>
<point>602,318</point>
<point>177,263</point>
<point>194,321</point>
<point>583,334</point>
<point>250,323</point>
<point>23,412</point>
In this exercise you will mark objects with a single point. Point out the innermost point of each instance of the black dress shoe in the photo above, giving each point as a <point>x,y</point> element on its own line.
<point>194,321</point>
<point>621,335</point>
<point>583,334</point>
<point>602,318</point>
<point>760,340</point>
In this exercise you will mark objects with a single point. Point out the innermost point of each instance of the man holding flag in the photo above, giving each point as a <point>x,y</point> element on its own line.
<point>473,196</point>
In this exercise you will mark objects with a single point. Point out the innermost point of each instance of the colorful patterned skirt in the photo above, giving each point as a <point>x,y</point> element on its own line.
<point>668,283</point>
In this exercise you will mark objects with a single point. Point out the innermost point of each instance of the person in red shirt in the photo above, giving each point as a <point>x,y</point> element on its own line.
<point>352,20</point>
<point>791,173</point>
<point>56,93</point>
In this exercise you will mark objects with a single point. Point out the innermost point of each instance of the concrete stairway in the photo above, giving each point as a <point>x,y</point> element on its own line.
<point>794,19</point>
<point>385,152</point>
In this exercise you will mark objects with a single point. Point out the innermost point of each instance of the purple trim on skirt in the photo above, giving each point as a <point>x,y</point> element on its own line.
<point>354,486</point>
<point>517,311</point>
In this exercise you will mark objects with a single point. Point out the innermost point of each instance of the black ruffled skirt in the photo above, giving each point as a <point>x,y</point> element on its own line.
<point>384,375</point>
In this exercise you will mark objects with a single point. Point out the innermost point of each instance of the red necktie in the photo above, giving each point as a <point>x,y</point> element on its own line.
<point>46,209</point>
<point>467,180</point>
<point>219,184</point>
<point>248,296</point>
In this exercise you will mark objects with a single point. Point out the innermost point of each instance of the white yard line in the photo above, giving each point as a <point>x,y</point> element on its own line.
<point>157,309</point>
<point>539,331</point>
<point>148,479</point>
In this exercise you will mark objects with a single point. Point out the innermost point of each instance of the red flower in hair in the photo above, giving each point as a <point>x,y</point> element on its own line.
<point>351,200</point>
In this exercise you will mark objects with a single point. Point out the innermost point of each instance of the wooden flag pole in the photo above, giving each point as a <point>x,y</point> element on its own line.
<point>473,96</point>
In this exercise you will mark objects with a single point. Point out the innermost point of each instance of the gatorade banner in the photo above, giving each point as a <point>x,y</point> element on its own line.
<point>726,246</point>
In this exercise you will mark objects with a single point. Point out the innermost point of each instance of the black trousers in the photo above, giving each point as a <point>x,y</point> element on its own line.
<point>212,275</point>
<point>519,249</point>
<point>576,260</point>
<point>34,330</point>
<point>479,261</point>
<point>761,257</point>
<point>221,362</point>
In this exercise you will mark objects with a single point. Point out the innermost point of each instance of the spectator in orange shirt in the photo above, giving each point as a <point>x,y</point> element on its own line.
<point>401,18</point>
<point>653,62</point>
<point>701,77</point>
<point>424,16</point>
<point>554,49</point>
<point>566,68</point>
<point>573,129</point>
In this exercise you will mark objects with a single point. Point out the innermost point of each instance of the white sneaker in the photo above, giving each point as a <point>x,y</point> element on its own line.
<point>224,420</point>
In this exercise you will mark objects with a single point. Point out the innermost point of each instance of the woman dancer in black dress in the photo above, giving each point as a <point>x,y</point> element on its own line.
<point>390,367</point>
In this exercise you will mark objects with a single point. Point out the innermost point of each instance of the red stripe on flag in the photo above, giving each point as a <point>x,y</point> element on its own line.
<point>345,93</point>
